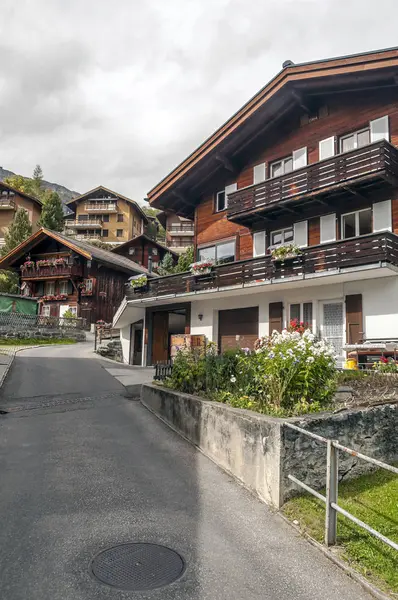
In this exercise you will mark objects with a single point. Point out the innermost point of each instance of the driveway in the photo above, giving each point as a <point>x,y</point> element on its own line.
<point>83,468</point>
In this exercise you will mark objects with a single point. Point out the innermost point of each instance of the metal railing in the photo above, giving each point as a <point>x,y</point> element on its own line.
<point>20,322</point>
<point>332,480</point>
<point>101,206</point>
<point>162,371</point>
<point>83,223</point>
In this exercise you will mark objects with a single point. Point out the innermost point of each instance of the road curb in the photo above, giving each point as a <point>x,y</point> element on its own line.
<point>369,587</point>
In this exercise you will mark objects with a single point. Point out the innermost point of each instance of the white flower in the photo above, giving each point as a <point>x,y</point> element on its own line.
<point>233,379</point>
<point>310,359</point>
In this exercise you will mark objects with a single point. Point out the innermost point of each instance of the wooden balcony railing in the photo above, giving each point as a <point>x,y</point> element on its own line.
<point>7,204</point>
<point>101,207</point>
<point>355,252</point>
<point>52,272</point>
<point>378,160</point>
<point>95,223</point>
<point>181,228</point>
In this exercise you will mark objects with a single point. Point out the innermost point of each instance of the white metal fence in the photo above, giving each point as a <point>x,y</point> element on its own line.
<point>332,479</point>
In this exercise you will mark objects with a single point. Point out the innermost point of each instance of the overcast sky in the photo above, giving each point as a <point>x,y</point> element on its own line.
<point>118,92</point>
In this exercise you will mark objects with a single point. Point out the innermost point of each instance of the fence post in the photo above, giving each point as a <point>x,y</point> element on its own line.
<point>332,480</point>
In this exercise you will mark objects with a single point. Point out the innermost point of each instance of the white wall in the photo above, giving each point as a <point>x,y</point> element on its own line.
<point>125,341</point>
<point>379,298</point>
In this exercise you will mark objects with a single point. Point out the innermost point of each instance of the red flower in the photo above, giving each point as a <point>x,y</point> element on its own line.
<point>384,360</point>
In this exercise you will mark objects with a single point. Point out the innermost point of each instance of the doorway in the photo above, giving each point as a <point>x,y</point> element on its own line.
<point>136,343</point>
<point>332,325</point>
<point>166,323</point>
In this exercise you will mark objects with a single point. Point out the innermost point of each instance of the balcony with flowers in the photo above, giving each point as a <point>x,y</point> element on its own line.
<point>50,267</point>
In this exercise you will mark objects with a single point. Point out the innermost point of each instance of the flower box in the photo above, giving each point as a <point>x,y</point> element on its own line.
<point>87,292</point>
<point>202,268</point>
<point>28,264</point>
<point>43,263</point>
<point>59,262</point>
<point>139,283</point>
<point>285,252</point>
<point>54,298</point>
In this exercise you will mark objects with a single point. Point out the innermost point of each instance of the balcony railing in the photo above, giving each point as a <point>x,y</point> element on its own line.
<point>372,162</point>
<point>7,204</point>
<point>106,207</point>
<point>181,229</point>
<point>87,236</point>
<point>52,272</point>
<point>355,252</point>
<point>86,224</point>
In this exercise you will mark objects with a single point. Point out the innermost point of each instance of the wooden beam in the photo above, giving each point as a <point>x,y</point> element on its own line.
<point>298,96</point>
<point>226,162</point>
<point>355,193</point>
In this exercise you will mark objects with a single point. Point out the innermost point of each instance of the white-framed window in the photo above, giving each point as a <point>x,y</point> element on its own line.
<point>282,236</point>
<point>88,283</point>
<point>49,288</point>
<point>302,312</point>
<point>220,253</point>
<point>222,197</point>
<point>45,310</point>
<point>356,223</point>
<point>63,286</point>
<point>131,251</point>
<point>155,252</point>
<point>355,140</point>
<point>281,167</point>
<point>259,243</point>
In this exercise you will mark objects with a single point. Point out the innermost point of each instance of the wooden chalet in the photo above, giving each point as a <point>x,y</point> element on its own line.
<point>145,251</point>
<point>10,201</point>
<point>69,275</point>
<point>311,163</point>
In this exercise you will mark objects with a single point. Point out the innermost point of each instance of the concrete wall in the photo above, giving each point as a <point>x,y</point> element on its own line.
<point>261,452</point>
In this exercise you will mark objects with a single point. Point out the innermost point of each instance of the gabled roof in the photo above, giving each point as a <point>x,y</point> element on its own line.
<point>270,104</point>
<point>119,263</point>
<point>5,186</point>
<point>107,190</point>
<point>143,236</point>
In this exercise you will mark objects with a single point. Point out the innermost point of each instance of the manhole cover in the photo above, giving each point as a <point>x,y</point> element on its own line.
<point>137,566</point>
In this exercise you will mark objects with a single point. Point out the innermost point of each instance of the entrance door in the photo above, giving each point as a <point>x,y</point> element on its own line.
<point>136,339</point>
<point>332,326</point>
<point>238,328</point>
<point>160,337</point>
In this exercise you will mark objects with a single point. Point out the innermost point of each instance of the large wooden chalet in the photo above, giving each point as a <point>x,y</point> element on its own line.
<point>310,161</point>
<point>69,275</point>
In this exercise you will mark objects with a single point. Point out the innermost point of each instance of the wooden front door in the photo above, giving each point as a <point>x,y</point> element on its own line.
<point>160,337</point>
<point>238,328</point>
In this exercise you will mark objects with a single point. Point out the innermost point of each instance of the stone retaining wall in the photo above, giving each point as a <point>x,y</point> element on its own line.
<point>43,333</point>
<point>260,451</point>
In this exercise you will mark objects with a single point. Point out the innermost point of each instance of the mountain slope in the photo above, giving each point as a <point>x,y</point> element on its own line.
<point>64,193</point>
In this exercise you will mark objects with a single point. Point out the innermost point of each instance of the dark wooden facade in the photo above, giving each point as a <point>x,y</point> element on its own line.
<point>145,251</point>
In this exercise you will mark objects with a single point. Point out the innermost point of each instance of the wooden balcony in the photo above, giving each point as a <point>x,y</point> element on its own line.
<point>356,252</point>
<point>101,207</point>
<point>7,203</point>
<point>86,224</point>
<point>185,229</point>
<point>361,170</point>
<point>53,272</point>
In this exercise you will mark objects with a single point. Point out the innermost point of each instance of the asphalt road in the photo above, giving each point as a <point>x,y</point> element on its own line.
<point>82,468</point>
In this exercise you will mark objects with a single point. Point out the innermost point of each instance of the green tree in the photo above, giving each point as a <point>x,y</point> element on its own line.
<point>155,230</point>
<point>52,215</point>
<point>37,182</point>
<point>185,260</point>
<point>166,266</point>
<point>19,230</point>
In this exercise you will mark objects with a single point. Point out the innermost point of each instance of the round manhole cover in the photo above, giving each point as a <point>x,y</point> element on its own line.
<point>137,566</point>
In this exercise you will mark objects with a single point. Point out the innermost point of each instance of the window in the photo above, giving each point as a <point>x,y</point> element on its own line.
<point>45,311</point>
<point>281,167</point>
<point>220,253</point>
<point>105,218</point>
<point>120,218</point>
<point>221,201</point>
<point>155,251</point>
<point>119,232</point>
<point>131,251</point>
<point>356,223</point>
<point>83,218</point>
<point>88,283</point>
<point>302,312</point>
<point>49,288</point>
<point>282,236</point>
<point>63,287</point>
<point>105,233</point>
<point>259,243</point>
<point>355,140</point>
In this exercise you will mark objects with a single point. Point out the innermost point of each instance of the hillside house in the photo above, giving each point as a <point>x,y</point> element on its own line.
<point>311,160</point>
<point>179,231</point>
<point>145,251</point>
<point>10,201</point>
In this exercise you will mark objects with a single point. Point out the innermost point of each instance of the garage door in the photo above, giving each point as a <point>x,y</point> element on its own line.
<point>238,328</point>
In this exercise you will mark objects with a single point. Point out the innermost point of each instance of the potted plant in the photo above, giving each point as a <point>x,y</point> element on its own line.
<point>59,262</point>
<point>28,264</point>
<point>43,263</point>
<point>202,267</point>
<point>285,252</point>
<point>139,282</point>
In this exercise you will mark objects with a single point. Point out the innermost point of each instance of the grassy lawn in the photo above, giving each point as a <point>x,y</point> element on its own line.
<point>373,499</point>
<point>6,342</point>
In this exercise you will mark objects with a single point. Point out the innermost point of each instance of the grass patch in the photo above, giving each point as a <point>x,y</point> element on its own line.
<point>35,341</point>
<point>372,498</point>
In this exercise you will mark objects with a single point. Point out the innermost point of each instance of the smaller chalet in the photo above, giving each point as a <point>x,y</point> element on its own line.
<point>69,275</point>
<point>145,251</point>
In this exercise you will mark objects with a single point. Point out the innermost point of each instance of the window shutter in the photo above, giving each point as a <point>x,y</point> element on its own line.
<point>300,158</point>
<point>275,316</point>
<point>228,190</point>
<point>259,245</point>
<point>379,129</point>
<point>328,228</point>
<point>327,148</point>
<point>301,233</point>
<point>382,220</point>
<point>259,173</point>
<point>354,318</point>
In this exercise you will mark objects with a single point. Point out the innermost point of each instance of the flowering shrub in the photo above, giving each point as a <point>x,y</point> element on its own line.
<point>139,281</point>
<point>285,251</point>
<point>203,266</point>
<point>296,325</point>
<point>54,297</point>
<point>386,365</point>
<point>59,261</point>
<point>288,373</point>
